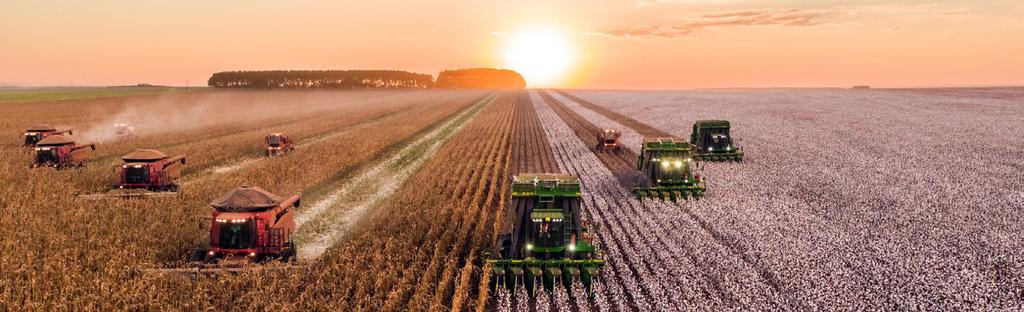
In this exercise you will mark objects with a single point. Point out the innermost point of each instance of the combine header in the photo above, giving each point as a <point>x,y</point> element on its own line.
<point>713,142</point>
<point>38,132</point>
<point>278,144</point>
<point>61,152</point>
<point>146,173</point>
<point>544,239</point>
<point>608,139</point>
<point>666,171</point>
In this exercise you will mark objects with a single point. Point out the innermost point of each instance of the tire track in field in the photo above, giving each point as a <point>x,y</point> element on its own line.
<point>239,164</point>
<point>635,287</point>
<point>726,241</point>
<point>323,224</point>
<point>287,121</point>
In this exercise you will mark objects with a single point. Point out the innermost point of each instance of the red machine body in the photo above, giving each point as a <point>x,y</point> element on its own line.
<point>251,224</point>
<point>278,144</point>
<point>37,133</point>
<point>150,170</point>
<point>60,152</point>
<point>608,139</point>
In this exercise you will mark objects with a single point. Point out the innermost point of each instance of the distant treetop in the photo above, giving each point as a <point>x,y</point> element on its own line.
<point>320,79</point>
<point>480,78</point>
<point>358,79</point>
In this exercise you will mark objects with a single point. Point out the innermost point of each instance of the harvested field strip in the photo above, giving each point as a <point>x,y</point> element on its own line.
<point>643,129</point>
<point>664,256</point>
<point>732,244</point>
<point>417,260</point>
<point>309,140</point>
<point>532,152</point>
<point>334,215</point>
<point>621,164</point>
<point>211,153</point>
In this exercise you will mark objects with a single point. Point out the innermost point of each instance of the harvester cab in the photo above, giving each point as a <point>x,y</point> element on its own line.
<point>250,224</point>
<point>278,144</point>
<point>544,239</point>
<point>37,133</point>
<point>666,171</point>
<point>713,141</point>
<point>608,139</point>
<point>150,170</point>
<point>124,130</point>
<point>60,152</point>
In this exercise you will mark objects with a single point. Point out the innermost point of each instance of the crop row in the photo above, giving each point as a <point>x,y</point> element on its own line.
<point>862,200</point>
<point>62,251</point>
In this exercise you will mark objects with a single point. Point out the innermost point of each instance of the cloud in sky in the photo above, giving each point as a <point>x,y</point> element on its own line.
<point>776,17</point>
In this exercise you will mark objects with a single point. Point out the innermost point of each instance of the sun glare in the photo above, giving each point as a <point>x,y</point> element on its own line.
<point>542,55</point>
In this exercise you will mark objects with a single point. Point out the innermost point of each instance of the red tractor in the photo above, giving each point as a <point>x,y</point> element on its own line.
<point>60,152</point>
<point>278,144</point>
<point>36,133</point>
<point>608,139</point>
<point>250,224</point>
<point>150,170</point>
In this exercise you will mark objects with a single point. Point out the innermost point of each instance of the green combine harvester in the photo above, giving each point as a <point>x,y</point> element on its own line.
<point>713,142</point>
<point>665,167</point>
<point>544,239</point>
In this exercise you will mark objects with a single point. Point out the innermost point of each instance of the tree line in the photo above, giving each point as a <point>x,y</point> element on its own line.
<point>363,79</point>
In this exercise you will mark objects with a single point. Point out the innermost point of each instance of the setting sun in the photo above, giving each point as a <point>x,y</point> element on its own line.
<point>542,55</point>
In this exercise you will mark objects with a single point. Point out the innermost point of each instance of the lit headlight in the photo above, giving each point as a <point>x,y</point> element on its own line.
<point>728,148</point>
<point>529,246</point>
<point>212,252</point>
<point>572,247</point>
<point>679,163</point>
<point>711,149</point>
<point>665,165</point>
<point>252,254</point>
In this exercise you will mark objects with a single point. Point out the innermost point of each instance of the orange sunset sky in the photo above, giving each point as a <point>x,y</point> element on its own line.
<point>631,44</point>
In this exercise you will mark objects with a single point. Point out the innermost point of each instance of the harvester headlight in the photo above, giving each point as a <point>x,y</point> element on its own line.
<point>572,247</point>
<point>679,163</point>
<point>689,160</point>
<point>529,246</point>
<point>137,166</point>
<point>124,166</point>
<point>211,253</point>
<point>711,149</point>
<point>252,254</point>
<point>665,165</point>
<point>728,148</point>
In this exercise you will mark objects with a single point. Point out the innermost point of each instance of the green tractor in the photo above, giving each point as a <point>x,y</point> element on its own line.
<point>544,240</point>
<point>666,171</point>
<point>713,142</point>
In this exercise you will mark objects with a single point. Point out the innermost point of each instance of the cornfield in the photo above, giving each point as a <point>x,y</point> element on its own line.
<point>886,199</point>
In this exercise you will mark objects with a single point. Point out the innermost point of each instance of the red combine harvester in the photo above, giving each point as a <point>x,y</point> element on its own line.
<point>150,170</point>
<point>146,173</point>
<point>278,144</point>
<point>39,132</point>
<point>608,139</point>
<point>61,152</point>
<point>250,225</point>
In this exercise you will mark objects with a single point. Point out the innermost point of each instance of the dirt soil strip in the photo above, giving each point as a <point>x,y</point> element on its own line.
<point>532,152</point>
<point>641,128</point>
<point>767,276</point>
<point>621,164</point>
<point>326,221</point>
